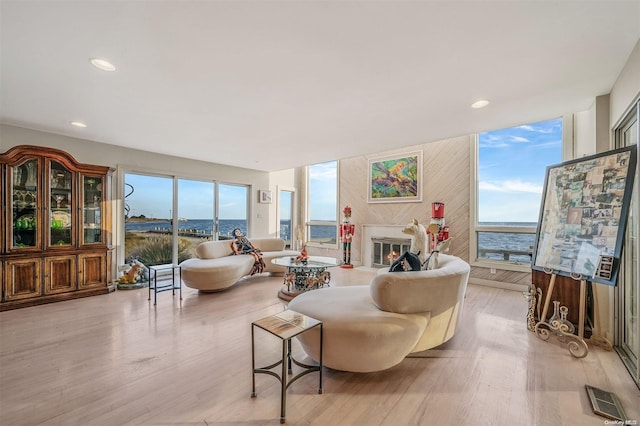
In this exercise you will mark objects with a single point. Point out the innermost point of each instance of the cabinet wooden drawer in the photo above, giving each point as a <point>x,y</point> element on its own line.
<point>93,270</point>
<point>22,279</point>
<point>59,274</point>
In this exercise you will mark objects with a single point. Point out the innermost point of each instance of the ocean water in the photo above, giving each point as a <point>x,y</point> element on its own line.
<point>199,226</point>
<point>203,226</point>
<point>487,241</point>
<point>505,241</point>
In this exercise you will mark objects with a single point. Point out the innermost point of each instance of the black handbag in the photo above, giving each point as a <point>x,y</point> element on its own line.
<point>407,262</point>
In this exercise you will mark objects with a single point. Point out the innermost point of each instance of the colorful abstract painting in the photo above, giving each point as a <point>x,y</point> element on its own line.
<point>396,178</point>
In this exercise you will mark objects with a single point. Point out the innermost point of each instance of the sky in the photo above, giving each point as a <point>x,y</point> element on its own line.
<point>324,189</point>
<point>512,168</point>
<point>152,197</point>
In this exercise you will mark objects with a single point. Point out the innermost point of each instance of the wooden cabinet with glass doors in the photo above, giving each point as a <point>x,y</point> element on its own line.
<point>56,232</point>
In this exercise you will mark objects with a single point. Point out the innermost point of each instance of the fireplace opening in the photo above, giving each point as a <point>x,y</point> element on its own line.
<point>386,250</point>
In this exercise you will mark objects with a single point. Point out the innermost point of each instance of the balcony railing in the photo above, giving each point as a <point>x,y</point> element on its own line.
<point>512,244</point>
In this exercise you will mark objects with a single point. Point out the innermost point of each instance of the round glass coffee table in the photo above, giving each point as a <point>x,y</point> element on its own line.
<point>303,276</point>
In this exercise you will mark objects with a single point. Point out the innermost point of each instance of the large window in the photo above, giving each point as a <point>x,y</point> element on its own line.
<point>166,217</point>
<point>196,217</point>
<point>148,219</point>
<point>511,169</point>
<point>322,199</point>
<point>210,213</point>
<point>232,210</point>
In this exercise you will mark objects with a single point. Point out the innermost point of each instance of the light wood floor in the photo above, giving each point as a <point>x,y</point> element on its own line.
<point>116,359</point>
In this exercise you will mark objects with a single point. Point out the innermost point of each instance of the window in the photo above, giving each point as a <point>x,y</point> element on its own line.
<point>148,219</point>
<point>511,169</point>
<point>286,215</point>
<point>322,198</point>
<point>166,217</point>
<point>232,210</point>
<point>209,210</point>
<point>196,217</point>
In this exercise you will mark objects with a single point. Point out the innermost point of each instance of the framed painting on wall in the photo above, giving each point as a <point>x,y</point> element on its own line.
<point>264,196</point>
<point>583,216</point>
<point>395,178</point>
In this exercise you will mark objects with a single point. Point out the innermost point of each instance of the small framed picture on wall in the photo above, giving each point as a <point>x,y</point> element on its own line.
<point>264,196</point>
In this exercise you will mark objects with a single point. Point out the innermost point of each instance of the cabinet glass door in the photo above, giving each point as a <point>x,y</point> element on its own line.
<point>24,204</point>
<point>60,202</point>
<point>91,210</point>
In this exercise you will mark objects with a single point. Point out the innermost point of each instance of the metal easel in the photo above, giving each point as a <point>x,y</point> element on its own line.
<point>576,344</point>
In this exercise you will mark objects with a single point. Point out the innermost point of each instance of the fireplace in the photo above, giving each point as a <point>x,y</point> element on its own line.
<point>384,250</point>
<point>390,234</point>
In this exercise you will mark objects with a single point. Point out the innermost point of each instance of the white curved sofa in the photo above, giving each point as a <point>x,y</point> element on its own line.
<point>216,268</point>
<point>374,327</point>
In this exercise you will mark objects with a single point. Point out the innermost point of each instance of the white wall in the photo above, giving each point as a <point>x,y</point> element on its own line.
<point>591,128</point>
<point>584,126</point>
<point>90,152</point>
<point>626,89</point>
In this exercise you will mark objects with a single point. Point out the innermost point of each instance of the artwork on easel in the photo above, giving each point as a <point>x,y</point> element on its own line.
<point>584,214</point>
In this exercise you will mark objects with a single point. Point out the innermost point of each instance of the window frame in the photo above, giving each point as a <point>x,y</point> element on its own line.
<point>120,231</point>
<point>623,302</point>
<point>567,150</point>
<point>308,223</point>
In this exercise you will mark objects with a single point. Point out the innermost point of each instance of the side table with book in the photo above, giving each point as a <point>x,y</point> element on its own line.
<point>285,325</point>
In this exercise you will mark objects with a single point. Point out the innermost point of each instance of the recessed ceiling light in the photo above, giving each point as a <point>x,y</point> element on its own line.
<point>78,124</point>
<point>480,104</point>
<point>103,64</point>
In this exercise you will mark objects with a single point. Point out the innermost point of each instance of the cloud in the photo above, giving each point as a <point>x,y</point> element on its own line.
<point>323,171</point>
<point>492,141</point>
<point>512,186</point>
<point>502,206</point>
<point>548,144</point>
<point>500,141</point>
<point>510,211</point>
<point>535,129</point>
<point>494,145</point>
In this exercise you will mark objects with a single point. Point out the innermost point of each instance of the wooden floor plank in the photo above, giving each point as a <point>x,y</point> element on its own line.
<point>117,359</point>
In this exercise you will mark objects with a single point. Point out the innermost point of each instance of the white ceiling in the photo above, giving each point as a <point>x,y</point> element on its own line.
<point>272,85</point>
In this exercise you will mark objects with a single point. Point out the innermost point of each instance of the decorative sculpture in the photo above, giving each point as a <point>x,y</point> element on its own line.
<point>534,296</point>
<point>418,239</point>
<point>347,230</point>
<point>290,280</point>
<point>133,272</point>
<point>303,257</point>
<point>437,229</point>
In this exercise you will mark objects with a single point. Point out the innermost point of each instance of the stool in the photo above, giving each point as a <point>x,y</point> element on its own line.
<point>285,325</point>
<point>153,280</point>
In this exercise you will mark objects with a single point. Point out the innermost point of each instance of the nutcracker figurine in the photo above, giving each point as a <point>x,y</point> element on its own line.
<point>347,230</point>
